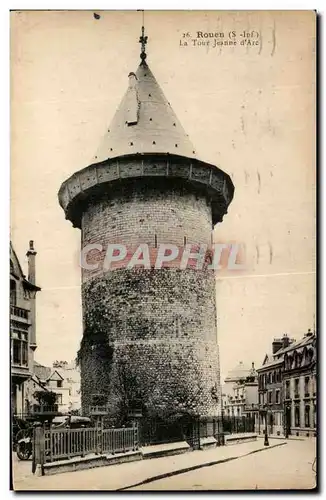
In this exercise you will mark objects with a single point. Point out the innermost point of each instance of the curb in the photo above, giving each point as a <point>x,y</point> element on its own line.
<point>195,467</point>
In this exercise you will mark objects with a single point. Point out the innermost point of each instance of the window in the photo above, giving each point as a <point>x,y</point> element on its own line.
<point>297,416</point>
<point>287,389</point>
<point>306,386</point>
<point>19,344</point>
<point>296,387</point>
<point>13,293</point>
<point>59,399</point>
<point>59,383</point>
<point>314,416</point>
<point>307,416</point>
<point>277,396</point>
<point>269,397</point>
<point>261,382</point>
<point>313,380</point>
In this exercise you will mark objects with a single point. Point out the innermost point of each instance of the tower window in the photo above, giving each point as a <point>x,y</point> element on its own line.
<point>176,145</point>
<point>154,142</point>
<point>155,240</point>
<point>174,125</point>
<point>150,119</point>
<point>131,143</point>
<point>111,149</point>
<point>184,240</point>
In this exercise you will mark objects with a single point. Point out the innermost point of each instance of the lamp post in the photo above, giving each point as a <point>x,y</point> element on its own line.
<point>266,442</point>
<point>263,411</point>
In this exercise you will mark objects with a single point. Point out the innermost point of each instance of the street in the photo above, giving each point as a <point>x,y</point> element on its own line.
<point>283,465</point>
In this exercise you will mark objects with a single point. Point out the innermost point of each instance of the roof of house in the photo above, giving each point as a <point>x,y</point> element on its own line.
<point>306,340</point>
<point>42,372</point>
<point>17,271</point>
<point>240,371</point>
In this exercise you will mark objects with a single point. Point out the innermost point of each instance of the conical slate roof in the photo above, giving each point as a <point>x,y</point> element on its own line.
<point>144,122</point>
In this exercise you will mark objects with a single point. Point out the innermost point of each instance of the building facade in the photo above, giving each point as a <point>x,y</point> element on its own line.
<point>22,326</point>
<point>240,392</point>
<point>299,386</point>
<point>150,333</point>
<point>287,388</point>
<point>64,380</point>
<point>70,374</point>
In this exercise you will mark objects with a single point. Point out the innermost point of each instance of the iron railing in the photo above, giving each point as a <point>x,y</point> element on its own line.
<point>50,445</point>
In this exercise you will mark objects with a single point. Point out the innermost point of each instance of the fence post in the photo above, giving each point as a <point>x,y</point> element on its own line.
<point>83,446</point>
<point>33,455</point>
<point>136,436</point>
<point>39,445</point>
<point>51,447</point>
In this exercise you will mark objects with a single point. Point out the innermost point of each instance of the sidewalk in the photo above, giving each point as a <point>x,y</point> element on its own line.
<point>123,476</point>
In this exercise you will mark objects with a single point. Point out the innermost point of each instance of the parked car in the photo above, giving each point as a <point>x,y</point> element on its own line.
<point>71,422</point>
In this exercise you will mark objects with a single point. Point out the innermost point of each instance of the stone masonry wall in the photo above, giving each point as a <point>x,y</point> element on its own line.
<point>150,336</point>
<point>146,215</point>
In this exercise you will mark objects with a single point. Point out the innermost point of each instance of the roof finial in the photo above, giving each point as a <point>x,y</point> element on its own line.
<point>143,41</point>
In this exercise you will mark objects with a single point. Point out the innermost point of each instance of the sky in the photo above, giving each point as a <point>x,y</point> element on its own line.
<point>247,109</point>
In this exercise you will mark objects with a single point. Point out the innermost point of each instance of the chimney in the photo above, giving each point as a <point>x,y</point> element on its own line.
<point>286,341</point>
<point>277,344</point>
<point>31,262</point>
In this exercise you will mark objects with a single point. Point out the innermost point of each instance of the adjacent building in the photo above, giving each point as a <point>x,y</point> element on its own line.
<point>240,391</point>
<point>299,385</point>
<point>270,388</point>
<point>287,387</point>
<point>64,380</point>
<point>22,326</point>
<point>70,374</point>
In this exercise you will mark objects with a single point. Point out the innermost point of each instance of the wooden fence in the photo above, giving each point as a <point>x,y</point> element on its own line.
<point>50,445</point>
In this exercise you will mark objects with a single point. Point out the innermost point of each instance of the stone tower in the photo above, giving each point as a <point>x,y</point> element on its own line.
<point>150,335</point>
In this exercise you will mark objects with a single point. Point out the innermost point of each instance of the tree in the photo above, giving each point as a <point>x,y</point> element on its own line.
<point>45,398</point>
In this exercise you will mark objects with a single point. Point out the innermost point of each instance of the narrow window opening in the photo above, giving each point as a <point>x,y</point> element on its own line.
<point>131,143</point>
<point>184,240</point>
<point>176,145</point>
<point>154,142</point>
<point>155,240</point>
